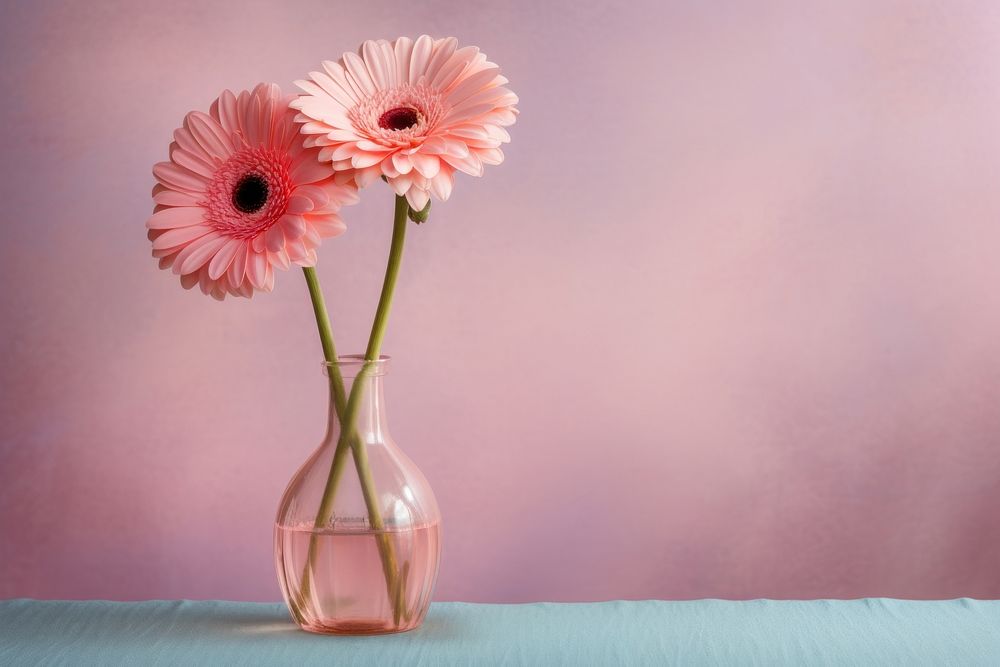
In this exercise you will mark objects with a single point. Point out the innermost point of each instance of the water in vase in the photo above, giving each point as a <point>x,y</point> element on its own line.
<point>347,590</point>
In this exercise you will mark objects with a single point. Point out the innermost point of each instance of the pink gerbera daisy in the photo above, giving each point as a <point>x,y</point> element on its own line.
<point>241,195</point>
<point>411,111</point>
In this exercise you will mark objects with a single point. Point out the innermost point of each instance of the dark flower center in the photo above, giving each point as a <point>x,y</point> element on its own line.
<point>250,193</point>
<point>400,118</point>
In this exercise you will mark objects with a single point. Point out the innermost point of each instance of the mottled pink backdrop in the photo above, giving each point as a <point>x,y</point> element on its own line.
<point>725,324</point>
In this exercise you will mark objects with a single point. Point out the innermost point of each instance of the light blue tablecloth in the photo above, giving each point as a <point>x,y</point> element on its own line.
<point>704,632</point>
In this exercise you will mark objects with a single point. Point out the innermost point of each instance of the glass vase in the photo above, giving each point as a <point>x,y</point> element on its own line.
<point>357,537</point>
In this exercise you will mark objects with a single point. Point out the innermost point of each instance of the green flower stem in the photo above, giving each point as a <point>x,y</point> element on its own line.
<point>339,397</point>
<point>349,439</point>
<point>326,339</point>
<point>349,431</point>
<point>385,547</point>
<point>389,284</point>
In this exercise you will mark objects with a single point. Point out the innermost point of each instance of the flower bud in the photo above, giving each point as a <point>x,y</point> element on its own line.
<point>421,216</point>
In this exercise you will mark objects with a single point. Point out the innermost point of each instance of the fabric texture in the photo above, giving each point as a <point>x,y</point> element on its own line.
<point>872,631</point>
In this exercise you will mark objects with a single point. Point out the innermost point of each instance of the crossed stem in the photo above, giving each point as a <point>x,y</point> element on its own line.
<point>346,409</point>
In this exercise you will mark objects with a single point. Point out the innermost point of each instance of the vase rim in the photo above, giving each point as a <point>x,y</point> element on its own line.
<point>351,364</point>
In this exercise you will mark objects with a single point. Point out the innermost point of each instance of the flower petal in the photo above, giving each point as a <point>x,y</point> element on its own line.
<point>427,165</point>
<point>309,171</point>
<point>274,239</point>
<point>293,226</point>
<point>333,89</point>
<point>402,48</point>
<point>378,70</point>
<point>251,122</point>
<point>469,164</point>
<point>490,155</point>
<point>417,198</point>
<point>456,65</point>
<point>459,114</point>
<point>362,160</point>
<point>178,177</point>
<point>237,270</point>
<point>442,183</point>
<point>220,263</point>
<point>199,252</point>
<point>209,134</point>
<point>419,57</point>
<point>358,72</point>
<point>328,224</point>
<point>340,76</point>
<point>176,216</point>
<point>190,280</point>
<point>472,85</point>
<point>401,162</point>
<point>400,184</point>
<point>256,268</point>
<point>227,112</point>
<point>296,250</point>
<point>299,204</point>
<point>268,278</point>
<point>364,177</point>
<point>279,259</point>
<point>443,50</point>
<point>173,238</point>
<point>318,196</point>
<point>168,197</point>
<point>192,163</point>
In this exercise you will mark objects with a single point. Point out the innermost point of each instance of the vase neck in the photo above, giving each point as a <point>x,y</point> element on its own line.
<point>363,384</point>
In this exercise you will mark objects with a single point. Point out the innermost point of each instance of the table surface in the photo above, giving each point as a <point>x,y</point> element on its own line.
<point>874,631</point>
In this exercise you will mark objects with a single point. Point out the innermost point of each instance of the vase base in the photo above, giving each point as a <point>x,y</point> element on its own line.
<point>358,627</point>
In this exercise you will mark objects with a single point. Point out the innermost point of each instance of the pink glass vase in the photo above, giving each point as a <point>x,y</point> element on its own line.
<point>357,537</point>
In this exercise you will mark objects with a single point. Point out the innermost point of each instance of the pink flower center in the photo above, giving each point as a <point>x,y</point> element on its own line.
<point>249,192</point>
<point>399,118</point>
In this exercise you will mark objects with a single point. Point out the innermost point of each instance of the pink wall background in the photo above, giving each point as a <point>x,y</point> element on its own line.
<point>725,324</point>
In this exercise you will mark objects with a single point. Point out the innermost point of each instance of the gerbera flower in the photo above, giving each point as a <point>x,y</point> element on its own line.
<point>241,195</point>
<point>411,111</point>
